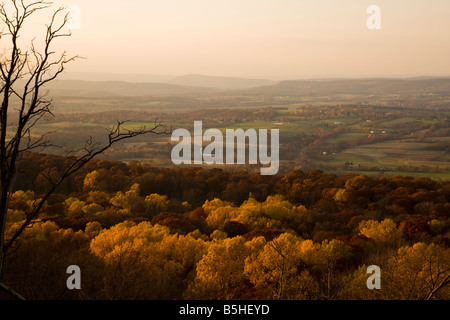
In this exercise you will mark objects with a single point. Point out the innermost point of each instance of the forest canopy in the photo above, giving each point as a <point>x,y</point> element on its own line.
<point>140,232</point>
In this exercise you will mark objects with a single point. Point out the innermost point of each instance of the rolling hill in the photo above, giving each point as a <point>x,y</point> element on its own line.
<point>356,86</point>
<point>224,83</point>
<point>80,88</point>
<point>197,84</point>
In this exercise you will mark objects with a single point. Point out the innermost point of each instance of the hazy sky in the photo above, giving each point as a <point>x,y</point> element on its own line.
<point>261,38</point>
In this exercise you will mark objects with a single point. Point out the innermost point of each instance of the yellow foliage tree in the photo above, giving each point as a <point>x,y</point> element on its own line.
<point>131,201</point>
<point>278,208</point>
<point>23,195</point>
<point>110,244</point>
<point>90,180</point>
<point>93,229</point>
<point>211,205</point>
<point>112,216</point>
<point>42,274</point>
<point>385,233</point>
<point>24,201</point>
<point>418,272</point>
<point>324,258</point>
<point>341,195</point>
<point>139,256</point>
<point>99,197</point>
<point>249,213</point>
<point>156,203</point>
<point>270,214</point>
<point>92,208</point>
<point>277,266</point>
<point>217,217</point>
<point>220,270</point>
<point>74,206</point>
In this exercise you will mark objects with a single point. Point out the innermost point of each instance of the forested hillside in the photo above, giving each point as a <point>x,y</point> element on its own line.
<point>139,232</point>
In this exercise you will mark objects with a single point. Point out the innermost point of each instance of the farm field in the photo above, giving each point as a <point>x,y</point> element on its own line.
<point>331,131</point>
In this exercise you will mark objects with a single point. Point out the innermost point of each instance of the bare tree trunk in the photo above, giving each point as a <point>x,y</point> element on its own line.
<point>443,283</point>
<point>11,292</point>
<point>3,211</point>
<point>35,69</point>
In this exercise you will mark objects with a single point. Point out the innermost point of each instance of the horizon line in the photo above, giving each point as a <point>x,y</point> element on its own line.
<point>68,75</point>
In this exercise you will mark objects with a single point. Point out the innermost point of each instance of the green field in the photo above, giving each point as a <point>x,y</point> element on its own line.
<point>389,174</point>
<point>327,131</point>
<point>391,155</point>
<point>346,136</point>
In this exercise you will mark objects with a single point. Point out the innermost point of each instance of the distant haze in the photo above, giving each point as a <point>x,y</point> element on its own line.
<point>193,85</point>
<point>262,39</point>
<point>195,80</point>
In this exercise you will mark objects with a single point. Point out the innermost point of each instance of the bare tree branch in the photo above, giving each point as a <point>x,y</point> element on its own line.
<point>11,292</point>
<point>91,150</point>
<point>35,69</point>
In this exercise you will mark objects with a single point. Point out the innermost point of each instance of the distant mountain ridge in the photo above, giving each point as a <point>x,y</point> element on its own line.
<point>189,80</point>
<point>224,83</point>
<point>80,88</point>
<point>97,85</point>
<point>196,84</point>
<point>125,77</point>
<point>417,85</point>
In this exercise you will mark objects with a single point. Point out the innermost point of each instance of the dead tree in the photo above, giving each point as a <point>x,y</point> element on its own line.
<point>23,75</point>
